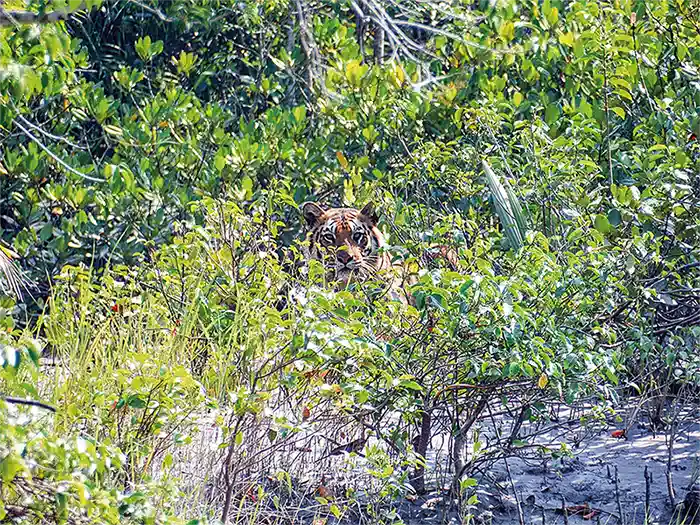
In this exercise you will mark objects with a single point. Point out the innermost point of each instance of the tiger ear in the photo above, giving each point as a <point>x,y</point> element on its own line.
<point>369,212</point>
<point>312,211</point>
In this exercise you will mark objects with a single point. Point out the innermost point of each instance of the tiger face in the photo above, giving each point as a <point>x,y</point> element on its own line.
<point>347,241</point>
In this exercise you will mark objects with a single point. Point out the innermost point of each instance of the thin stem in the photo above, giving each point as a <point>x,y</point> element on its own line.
<point>52,155</point>
<point>605,92</point>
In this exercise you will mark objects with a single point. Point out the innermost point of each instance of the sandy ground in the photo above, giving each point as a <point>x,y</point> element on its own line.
<point>585,479</point>
<point>588,478</point>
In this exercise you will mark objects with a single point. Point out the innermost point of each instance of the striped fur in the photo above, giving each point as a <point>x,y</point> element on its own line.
<point>349,244</point>
<point>347,241</point>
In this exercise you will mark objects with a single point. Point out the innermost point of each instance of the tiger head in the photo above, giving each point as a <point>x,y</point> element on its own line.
<point>347,241</point>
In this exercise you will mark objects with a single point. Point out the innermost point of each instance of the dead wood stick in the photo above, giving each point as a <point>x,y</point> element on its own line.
<point>647,493</point>
<point>617,494</point>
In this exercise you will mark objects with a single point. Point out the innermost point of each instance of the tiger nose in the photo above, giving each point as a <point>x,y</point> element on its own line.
<point>344,257</point>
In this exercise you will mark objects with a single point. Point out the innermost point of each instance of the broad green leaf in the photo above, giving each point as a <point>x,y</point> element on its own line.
<point>10,466</point>
<point>602,224</point>
<point>619,112</point>
<point>551,113</point>
<point>614,217</point>
<point>567,39</point>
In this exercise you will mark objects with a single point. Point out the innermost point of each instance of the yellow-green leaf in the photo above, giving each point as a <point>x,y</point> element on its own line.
<point>567,39</point>
<point>619,112</point>
<point>341,158</point>
<point>10,466</point>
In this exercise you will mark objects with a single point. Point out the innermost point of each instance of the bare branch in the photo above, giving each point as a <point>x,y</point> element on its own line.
<point>28,402</point>
<point>49,135</point>
<point>159,14</point>
<point>10,18</point>
<point>52,155</point>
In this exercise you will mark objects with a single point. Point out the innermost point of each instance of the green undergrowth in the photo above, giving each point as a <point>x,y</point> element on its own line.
<point>218,331</point>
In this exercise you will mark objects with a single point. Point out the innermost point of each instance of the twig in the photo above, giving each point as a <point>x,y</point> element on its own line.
<point>379,45</point>
<point>605,95</point>
<point>686,267</point>
<point>13,277</point>
<point>617,495</point>
<point>671,436</point>
<point>152,10</point>
<point>50,135</point>
<point>453,36</point>
<point>308,45</point>
<point>360,25</point>
<point>13,18</point>
<point>647,493</point>
<point>52,155</point>
<point>28,402</point>
<point>521,516</point>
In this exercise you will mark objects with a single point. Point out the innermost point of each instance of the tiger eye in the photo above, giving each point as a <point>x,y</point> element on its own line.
<point>359,237</point>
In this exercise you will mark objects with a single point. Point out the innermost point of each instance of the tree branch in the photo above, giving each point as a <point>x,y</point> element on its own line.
<point>52,155</point>
<point>28,402</point>
<point>10,18</point>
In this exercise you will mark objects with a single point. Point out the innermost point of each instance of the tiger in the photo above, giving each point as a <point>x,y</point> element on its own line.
<point>353,249</point>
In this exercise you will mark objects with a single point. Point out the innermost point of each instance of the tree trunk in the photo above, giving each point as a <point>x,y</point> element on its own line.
<point>378,45</point>
<point>418,477</point>
<point>360,25</point>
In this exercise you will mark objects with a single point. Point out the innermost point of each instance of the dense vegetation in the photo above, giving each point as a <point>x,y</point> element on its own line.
<point>153,158</point>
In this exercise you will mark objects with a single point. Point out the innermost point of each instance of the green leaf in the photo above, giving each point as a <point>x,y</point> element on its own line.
<point>411,385</point>
<point>614,217</point>
<point>220,162</point>
<point>354,71</point>
<point>299,113</point>
<point>551,114</point>
<point>602,224</point>
<point>46,232</point>
<point>622,92</point>
<point>157,48</point>
<point>619,112</point>
<point>247,186</point>
<point>10,466</point>
<point>143,47</point>
<point>279,63</point>
<point>507,208</point>
<point>585,108</point>
<point>135,401</point>
<point>567,39</point>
